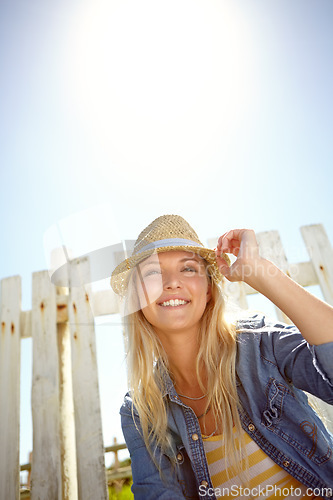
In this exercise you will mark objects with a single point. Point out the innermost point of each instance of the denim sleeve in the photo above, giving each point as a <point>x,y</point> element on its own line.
<point>308,367</point>
<point>323,360</point>
<point>147,482</point>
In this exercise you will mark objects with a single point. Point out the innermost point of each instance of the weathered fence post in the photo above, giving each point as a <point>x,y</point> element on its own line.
<point>46,468</point>
<point>10,349</point>
<point>66,410</point>
<point>235,291</point>
<point>321,255</point>
<point>54,460</point>
<point>88,422</point>
<point>271,248</point>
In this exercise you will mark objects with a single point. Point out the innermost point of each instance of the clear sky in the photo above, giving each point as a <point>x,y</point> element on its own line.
<point>220,111</point>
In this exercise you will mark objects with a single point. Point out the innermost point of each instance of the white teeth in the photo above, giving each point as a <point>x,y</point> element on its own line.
<point>174,302</point>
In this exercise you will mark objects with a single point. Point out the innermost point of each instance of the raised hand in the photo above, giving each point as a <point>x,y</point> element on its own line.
<point>312,316</point>
<point>243,244</point>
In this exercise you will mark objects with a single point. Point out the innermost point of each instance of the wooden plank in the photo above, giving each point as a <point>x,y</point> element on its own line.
<point>235,292</point>
<point>25,324</point>
<point>10,349</point>
<point>105,302</point>
<point>102,302</point>
<point>46,468</point>
<point>62,305</point>
<point>271,248</point>
<point>303,273</point>
<point>88,422</point>
<point>321,254</point>
<point>66,411</point>
<point>66,405</point>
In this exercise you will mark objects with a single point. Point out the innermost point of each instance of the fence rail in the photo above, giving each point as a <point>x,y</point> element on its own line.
<point>68,447</point>
<point>115,475</point>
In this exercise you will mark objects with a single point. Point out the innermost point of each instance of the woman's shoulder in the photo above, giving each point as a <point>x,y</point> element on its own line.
<point>127,407</point>
<point>250,322</point>
<point>258,323</point>
<point>266,335</point>
<point>270,341</point>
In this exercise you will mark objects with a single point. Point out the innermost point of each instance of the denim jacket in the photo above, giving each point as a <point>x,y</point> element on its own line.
<point>274,366</point>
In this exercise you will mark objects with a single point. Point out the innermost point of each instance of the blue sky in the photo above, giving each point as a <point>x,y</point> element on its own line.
<point>220,111</point>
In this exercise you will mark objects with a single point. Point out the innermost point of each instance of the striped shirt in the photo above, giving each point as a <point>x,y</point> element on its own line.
<point>266,478</point>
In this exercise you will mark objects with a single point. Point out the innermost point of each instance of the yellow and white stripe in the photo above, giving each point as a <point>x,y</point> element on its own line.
<point>266,478</point>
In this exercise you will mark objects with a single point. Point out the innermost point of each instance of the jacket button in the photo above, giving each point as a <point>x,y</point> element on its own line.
<point>195,437</point>
<point>179,457</point>
<point>204,483</point>
<point>286,463</point>
<point>251,427</point>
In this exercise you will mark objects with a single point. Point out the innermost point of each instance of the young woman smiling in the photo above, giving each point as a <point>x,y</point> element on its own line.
<point>215,407</point>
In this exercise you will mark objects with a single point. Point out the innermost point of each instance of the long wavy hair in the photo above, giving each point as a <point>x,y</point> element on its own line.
<point>147,362</point>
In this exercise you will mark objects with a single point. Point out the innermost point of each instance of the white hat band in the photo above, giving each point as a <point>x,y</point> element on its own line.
<point>174,242</point>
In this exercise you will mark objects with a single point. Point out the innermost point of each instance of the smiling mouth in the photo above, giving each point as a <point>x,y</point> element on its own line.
<point>174,303</point>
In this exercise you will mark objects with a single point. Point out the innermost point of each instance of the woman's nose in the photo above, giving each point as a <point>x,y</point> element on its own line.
<point>172,280</point>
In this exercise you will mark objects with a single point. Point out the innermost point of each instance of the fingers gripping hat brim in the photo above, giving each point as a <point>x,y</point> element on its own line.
<point>165,234</point>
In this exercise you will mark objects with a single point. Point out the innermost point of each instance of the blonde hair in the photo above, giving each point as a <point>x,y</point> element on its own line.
<point>147,363</point>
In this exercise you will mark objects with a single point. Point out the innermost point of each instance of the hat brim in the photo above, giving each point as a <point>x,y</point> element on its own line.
<point>121,274</point>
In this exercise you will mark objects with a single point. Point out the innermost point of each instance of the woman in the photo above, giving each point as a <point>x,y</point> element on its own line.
<point>216,409</point>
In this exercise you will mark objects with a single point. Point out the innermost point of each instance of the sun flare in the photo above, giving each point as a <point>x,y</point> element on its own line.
<point>158,83</point>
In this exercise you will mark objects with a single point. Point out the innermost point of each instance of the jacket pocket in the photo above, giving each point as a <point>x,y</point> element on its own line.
<point>275,396</point>
<point>292,419</point>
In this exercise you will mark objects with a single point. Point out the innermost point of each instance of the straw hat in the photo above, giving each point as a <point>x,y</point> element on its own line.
<point>166,233</point>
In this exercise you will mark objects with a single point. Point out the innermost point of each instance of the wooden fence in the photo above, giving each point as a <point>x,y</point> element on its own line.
<point>116,475</point>
<point>68,451</point>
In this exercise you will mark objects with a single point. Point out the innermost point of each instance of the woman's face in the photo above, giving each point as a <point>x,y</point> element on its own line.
<point>173,289</point>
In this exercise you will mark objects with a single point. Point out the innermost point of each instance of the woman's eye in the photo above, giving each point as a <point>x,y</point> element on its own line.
<point>189,269</point>
<point>151,272</point>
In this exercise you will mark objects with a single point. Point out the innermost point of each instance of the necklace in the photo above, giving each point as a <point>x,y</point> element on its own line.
<point>210,435</point>
<point>204,413</point>
<point>193,399</point>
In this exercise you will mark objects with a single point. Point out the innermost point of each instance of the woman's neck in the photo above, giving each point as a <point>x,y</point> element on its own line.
<point>182,351</point>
